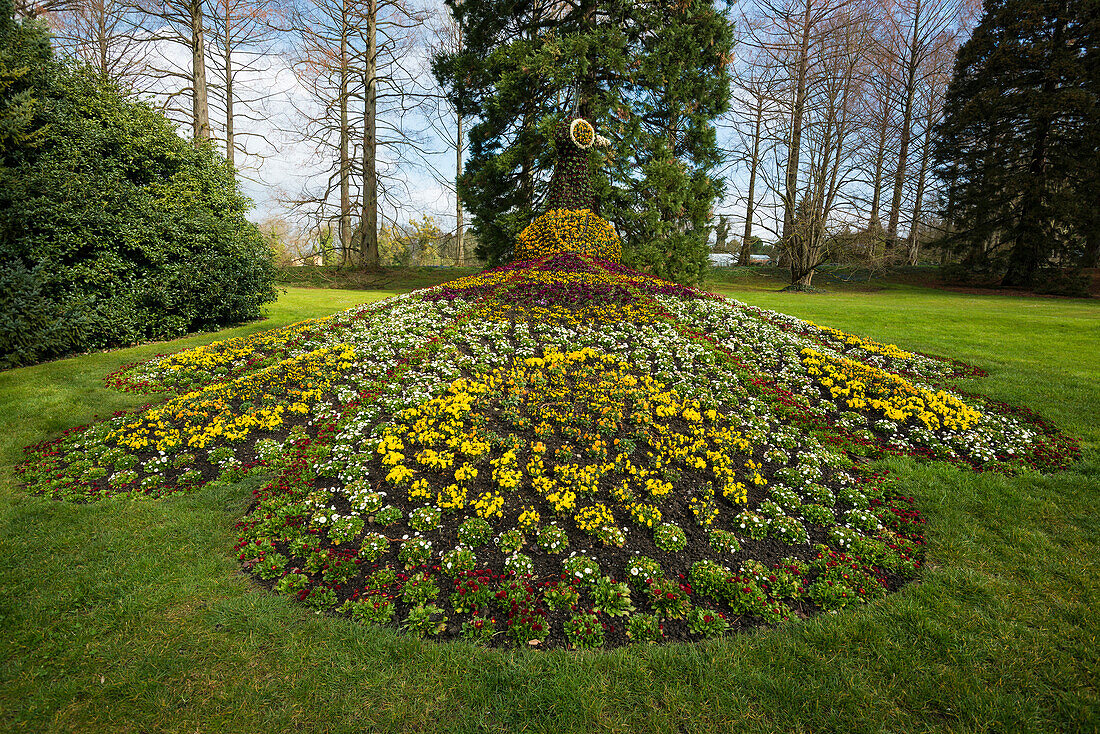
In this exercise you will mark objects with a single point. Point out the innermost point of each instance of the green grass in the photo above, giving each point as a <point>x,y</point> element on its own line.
<point>329,276</point>
<point>131,614</point>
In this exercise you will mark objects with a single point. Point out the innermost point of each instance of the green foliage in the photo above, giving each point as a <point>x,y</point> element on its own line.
<point>474,532</point>
<point>420,589</point>
<point>561,595</point>
<point>371,609</point>
<point>611,598</point>
<point>669,538</point>
<point>707,622</point>
<point>652,77</point>
<point>644,628</point>
<point>24,58</point>
<point>1019,145</point>
<point>424,620</point>
<point>584,630</point>
<point>667,598</point>
<point>113,230</point>
<point>708,579</point>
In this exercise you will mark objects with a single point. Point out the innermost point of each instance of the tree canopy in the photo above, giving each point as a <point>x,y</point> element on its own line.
<point>1019,146</point>
<point>651,76</point>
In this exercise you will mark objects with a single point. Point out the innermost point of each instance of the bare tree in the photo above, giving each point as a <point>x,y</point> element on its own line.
<point>322,63</point>
<point>877,132</point>
<point>930,97</point>
<point>447,126</point>
<point>39,8</point>
<point>353,58</point>
<point>181,23</point>
<point>816,47</point>
<point>832,108</point>
<point>913,29</point>
<point>243,33</point>
<point>106,35</point>
<point>756,109</point>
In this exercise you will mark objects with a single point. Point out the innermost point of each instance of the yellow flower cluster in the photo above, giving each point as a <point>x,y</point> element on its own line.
<point>569,230</point>
<point>233,352</point>
<point>582,132</point>
<point>861,387</point>
<point>489,505</point>
<point>233,410</point>
<point>488,278</point>
<point>636,434</point>
<point>888,350</point>
<point>528,519</point>
<point>451,498</point>
<point>593,517</point>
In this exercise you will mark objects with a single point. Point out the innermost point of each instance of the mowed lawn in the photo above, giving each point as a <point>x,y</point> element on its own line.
<point>132,614</point>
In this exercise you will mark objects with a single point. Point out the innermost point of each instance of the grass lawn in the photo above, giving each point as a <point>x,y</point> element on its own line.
<point>132,614</point>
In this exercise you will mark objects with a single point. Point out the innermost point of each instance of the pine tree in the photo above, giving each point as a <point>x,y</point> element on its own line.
<point>1019,140</point>
<point>650,76</point>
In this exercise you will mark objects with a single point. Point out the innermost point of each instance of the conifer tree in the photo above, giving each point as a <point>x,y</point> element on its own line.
<point>1020,138</point>
<point>650,76</point>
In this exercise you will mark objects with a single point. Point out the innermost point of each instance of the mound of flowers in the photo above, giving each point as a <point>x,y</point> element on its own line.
<point>569,231</point>
<point>560,452</point>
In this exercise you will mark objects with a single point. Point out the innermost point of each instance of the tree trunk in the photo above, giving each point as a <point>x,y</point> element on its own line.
<point>587,87</point>
<point>874,226</point>
<point>368,225</point>
<point>527,166</point>
<point>721,233</point>
<point>200,109</point>
<point>460,255</point>
<point>750,205</point>
<point>800,278</point>
<point>906,130</point>
<point>1023,260</point>
<point>1091,256</point>
<point>228,51</point>
<point>345,140</point>
<point>102,37</point>
<point>913,251</point>
<point>791,189</point>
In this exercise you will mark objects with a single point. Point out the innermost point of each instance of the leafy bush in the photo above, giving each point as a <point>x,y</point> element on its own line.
<point>113,229</point>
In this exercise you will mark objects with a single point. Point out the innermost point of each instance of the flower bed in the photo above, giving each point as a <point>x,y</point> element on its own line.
<point>561,452</point>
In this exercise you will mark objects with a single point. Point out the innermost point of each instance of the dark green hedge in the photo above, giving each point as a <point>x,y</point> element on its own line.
<point>114,230</point>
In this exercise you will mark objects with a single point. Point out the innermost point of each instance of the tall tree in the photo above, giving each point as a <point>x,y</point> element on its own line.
<point>350,58</point>
<point>756,110</point>
<point>516,67</point>
<point>914,31</point>
<point>447,125</point>
<point>929,111</point>
<point>830,130</point>
<point>183,23</point>
<point>878,132</point>
<point>652,76</point>
<point>243,32</point>
<point>1019,140</point>
<point>795,35</point>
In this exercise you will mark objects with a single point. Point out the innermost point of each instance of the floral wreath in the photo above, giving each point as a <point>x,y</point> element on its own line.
<point>582,133</point>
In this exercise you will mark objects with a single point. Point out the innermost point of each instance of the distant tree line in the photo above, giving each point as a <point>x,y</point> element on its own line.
<point>880,130</point>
